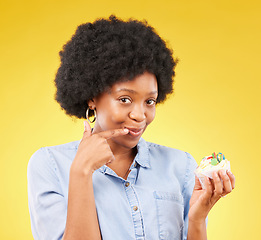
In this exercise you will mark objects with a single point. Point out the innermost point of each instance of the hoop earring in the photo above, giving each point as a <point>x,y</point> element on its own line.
<point>88,117</point>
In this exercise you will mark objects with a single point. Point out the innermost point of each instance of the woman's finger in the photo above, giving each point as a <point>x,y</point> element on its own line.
<point>227,187</point>
<point>208,188</point>
<point>197,185</point>
<point>87,129</point>
<point>218,185</point>
<point>113,133</point>
<point>232,179</point>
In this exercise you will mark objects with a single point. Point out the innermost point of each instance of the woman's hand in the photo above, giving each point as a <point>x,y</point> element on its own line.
<point>94,151</point>
<point>202,200</point>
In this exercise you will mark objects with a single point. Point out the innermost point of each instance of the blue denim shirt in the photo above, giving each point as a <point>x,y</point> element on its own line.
<point>152,204</point>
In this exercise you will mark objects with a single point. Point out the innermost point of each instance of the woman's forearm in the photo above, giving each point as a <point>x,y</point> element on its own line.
<point>197,231</point>
<point>82,221</point>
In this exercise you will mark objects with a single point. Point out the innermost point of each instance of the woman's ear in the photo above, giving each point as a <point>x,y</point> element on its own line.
<point>91,104</point>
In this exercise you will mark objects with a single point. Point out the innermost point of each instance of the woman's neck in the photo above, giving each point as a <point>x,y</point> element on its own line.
<point>122,162</point>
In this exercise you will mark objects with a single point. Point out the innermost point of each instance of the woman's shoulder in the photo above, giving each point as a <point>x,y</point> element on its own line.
<point>47,155</point>
<point>61,147</point>
<point>169,155</point>
<point>166,150</point>
<point>64,146</point>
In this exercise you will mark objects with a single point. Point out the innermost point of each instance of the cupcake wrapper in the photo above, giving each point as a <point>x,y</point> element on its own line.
<point>209,173</point>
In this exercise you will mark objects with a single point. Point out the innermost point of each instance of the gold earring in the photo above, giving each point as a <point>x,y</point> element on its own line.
<point>88,117</point>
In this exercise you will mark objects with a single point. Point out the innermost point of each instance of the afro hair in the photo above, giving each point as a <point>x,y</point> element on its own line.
<point>107,51</point>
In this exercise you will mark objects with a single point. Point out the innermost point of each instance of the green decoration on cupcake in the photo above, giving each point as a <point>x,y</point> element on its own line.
<point>214,161</point>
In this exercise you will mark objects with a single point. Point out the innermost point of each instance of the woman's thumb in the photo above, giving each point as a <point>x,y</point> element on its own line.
<point>198,185</point>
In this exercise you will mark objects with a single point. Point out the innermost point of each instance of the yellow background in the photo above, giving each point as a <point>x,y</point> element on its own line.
<point>216,105</point>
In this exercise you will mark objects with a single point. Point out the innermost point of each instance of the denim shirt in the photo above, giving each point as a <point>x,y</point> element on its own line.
<point>152,204</point>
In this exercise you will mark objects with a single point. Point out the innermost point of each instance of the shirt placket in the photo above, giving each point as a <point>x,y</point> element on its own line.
<point>134,205</point>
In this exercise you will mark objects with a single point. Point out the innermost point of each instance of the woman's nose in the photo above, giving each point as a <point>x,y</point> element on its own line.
<point>137,113</point>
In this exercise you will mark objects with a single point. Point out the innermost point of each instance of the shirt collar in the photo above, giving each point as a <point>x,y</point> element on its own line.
<point>142,156</point>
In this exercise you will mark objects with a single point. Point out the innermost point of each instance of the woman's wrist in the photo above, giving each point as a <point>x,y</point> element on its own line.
<point>197,219</point>
<point>197,230</point>
<point>198,223</point>
<point>78,171</point>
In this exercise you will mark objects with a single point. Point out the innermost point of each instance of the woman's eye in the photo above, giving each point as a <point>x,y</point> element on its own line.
<point>125,100</point>
<point>151,102</point>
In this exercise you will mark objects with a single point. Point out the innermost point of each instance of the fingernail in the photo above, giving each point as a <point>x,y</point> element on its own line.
<point>224,173</point>
<point>231,174</point>
<point>126,130</point>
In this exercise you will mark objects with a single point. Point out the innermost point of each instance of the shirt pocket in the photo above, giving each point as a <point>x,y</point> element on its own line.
<point>170,210</point>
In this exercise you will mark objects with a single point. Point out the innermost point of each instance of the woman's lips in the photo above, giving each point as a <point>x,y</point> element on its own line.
<point>134,132</point>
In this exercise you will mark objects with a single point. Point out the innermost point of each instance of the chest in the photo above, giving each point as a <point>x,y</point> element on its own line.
<point>145,206</point>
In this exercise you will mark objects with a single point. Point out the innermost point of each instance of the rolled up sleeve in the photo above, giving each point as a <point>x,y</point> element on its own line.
<point>47,205</point>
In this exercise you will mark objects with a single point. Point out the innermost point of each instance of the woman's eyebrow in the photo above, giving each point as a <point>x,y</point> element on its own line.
<point>133,91</point>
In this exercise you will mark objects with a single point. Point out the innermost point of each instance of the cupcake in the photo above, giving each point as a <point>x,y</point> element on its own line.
<point>210,164</point>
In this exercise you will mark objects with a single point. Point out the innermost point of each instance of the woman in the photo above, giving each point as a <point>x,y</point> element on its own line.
<point>113,184</point>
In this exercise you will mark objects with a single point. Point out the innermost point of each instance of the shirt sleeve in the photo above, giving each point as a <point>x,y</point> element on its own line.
<point>47,205</point>
<point>188,189</point>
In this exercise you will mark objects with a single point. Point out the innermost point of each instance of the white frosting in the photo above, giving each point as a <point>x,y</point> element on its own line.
<point>206,168</point>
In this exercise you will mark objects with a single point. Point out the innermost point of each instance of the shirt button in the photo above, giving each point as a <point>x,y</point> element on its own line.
<point>135,208</point>
<point>127,184</point>
<point>135,164</point>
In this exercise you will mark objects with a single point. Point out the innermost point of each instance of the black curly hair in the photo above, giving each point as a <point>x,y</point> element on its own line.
<point>107,51</point>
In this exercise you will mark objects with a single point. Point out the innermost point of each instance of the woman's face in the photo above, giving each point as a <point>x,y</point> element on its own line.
<point>128,105</point>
